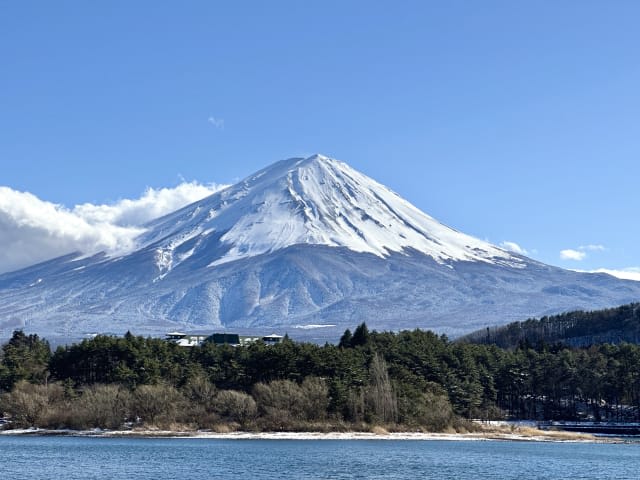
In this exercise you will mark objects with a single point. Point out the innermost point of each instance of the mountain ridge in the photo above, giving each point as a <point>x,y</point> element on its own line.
<point>302,242</point>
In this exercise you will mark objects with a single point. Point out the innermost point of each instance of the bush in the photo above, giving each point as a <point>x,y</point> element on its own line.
<point>103,406</point>
<point>435,412</point>
<point>283,404</point>
<point>279,403</point>
<point>236,406</point>
<point>315,398</point>
<point>31,405</point>
<point>201,392</point>
<point>157,405</point>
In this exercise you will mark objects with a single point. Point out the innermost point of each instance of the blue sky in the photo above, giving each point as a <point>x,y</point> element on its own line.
<point>511,121</point>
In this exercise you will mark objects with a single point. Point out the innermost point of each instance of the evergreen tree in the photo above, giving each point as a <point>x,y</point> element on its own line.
<point>361,336</point>
<point>24,357</point>
<point>345,339</point>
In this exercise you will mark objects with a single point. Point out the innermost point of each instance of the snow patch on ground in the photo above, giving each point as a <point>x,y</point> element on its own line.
<point>312,326</point>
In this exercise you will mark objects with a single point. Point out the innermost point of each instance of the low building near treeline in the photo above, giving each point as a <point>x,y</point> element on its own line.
<point>185,339</point>
<point>232,339</point>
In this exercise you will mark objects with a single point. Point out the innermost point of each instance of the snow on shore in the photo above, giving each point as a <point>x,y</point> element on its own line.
<point>538,436</point>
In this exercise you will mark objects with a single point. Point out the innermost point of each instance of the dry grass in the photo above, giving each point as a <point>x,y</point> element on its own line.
<point>555,434</point>
<point>378,430</point>
<point>529,433</point>
<point>225,427</point>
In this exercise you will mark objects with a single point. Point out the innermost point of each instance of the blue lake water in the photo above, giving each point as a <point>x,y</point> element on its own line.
<point>137,458</point>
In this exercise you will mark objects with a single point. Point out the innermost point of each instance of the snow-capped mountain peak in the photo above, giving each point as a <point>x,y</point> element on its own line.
<point>305,242</point>
<point>318,201</point>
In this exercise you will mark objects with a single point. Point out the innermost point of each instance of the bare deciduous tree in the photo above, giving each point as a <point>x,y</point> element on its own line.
<point>382,398</point>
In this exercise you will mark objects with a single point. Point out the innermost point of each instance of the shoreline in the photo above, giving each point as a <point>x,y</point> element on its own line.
<point>486,435</point>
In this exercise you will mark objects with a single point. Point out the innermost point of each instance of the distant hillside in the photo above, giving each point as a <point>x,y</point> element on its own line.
<point>578,329</point>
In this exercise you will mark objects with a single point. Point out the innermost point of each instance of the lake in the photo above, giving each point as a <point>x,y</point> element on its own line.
<point>35,457</point>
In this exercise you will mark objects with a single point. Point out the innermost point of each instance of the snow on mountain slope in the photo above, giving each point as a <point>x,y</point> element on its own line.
<point>317,201</point>
<point>304,242</point>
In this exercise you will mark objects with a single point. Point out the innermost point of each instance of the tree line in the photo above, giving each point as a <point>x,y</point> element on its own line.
<point>578,329</point>
<point>414,380</point>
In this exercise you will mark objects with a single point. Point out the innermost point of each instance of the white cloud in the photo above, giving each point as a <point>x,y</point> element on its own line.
<point>34,230</point>
<point>581,252</point>
<point>570,254</point>
<point>216,122</point>
<point>632,273</point>
<point>592,248</point>
<point>153,204</point>
<point>513,247</point>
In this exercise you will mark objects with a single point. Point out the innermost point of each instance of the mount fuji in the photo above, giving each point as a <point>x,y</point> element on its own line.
<point>308,246</point>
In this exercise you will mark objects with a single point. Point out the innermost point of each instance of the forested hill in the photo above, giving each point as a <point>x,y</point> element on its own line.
<point>577,329</point>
